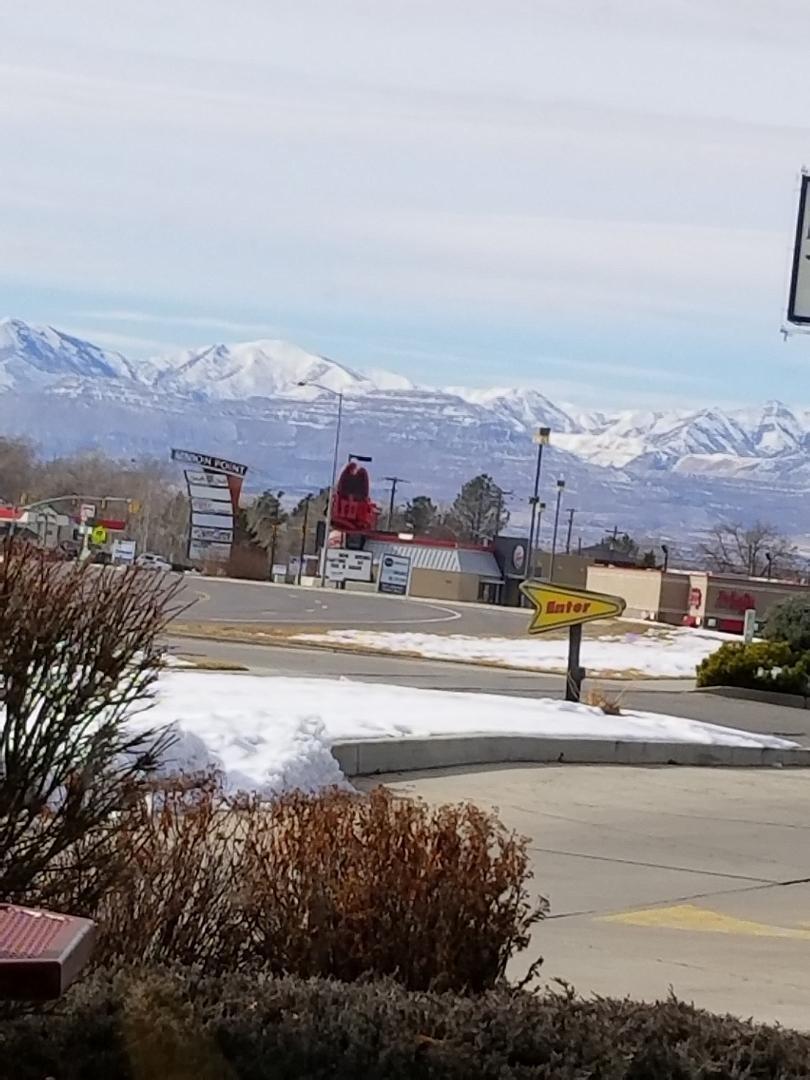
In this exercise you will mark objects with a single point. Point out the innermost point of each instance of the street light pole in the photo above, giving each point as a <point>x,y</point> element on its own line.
<point>303,538</point>
<point>541,438</point>
<point>339,395</point>
<point>570,513</point>
<point>560,489</point>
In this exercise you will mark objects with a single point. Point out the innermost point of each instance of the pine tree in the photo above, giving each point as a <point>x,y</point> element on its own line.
<point>474,513</point>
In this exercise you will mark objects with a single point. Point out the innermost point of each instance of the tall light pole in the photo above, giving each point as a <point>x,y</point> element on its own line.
<point>339,395</point>
<point>541,438</point>
<point>393,481</point>
<point>571,511</point>
<point>560,489</point>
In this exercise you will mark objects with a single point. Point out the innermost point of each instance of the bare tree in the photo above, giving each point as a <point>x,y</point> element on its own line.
<point>733,549</point>
<point>79,654</point>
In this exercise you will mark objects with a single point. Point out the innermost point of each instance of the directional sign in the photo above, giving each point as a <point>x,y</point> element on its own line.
<point>559,605</point>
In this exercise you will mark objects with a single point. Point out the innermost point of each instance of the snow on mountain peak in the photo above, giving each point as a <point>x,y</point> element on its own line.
<point>266,368</point>
<point>38,356</point>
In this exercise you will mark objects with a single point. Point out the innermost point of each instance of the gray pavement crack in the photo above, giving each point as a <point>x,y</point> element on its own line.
<point>655,866</point>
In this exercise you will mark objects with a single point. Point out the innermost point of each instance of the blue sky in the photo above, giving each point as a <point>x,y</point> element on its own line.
<point>592,197</point>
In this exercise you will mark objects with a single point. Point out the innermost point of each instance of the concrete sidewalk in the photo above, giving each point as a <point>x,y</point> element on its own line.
<point>661,877</point>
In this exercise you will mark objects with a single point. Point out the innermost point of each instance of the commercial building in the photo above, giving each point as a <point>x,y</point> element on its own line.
<point>692,597</point>
<point>443,569</point>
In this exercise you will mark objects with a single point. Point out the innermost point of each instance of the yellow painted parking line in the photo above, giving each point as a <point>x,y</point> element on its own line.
<point>702,920</point>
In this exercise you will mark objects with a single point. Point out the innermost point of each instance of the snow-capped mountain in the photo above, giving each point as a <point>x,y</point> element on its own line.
<point>259,369</point>
<point>34,357</point>
<point>657,470</point>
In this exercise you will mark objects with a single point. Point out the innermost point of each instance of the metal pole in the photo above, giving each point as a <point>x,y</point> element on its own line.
<point>534,501</point>
<point>560,489</point>
<point>303,539</point>
<point>332,489</point>
<point>273,551</point>
<point>391,502</point>
<point>571,513</point>
<point>574,674</point>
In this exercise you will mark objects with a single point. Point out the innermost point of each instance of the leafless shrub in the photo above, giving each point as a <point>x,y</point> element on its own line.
<point>332,885</point>
<point>79,654</point>
<point>610,704</point>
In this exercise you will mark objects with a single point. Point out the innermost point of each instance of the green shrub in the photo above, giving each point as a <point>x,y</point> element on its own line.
<point>790,622</point>
<point>762,665</point>
<point>185,1026</point>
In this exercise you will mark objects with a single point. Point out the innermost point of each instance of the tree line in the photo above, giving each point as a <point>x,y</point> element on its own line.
<point>146,492</point>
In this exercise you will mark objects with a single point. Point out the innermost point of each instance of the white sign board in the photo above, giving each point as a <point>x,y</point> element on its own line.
<point>395,574</point>
<point>86,512</point>
<point>208,552</point>
<point>799,298</point>
<point>749,625</point>
<point>123,551</point>
<point>345,565</point>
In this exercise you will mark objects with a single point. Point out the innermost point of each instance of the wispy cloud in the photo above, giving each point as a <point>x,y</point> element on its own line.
<point>192,322</point>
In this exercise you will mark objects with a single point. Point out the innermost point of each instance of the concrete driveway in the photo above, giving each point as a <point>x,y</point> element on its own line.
<point>692,879</point>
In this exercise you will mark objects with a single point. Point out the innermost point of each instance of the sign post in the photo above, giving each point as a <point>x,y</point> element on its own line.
<point>557,606</point>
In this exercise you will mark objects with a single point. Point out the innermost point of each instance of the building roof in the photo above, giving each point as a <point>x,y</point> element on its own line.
<point>449,560</point>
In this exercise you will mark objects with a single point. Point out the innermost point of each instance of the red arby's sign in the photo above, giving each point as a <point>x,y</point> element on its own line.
<point>352,508</point>
<point>729,600</point>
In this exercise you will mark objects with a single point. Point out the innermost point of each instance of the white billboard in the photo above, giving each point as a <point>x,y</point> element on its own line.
<point>345,565</point>
<point>214,535</point>
<point>395,574</point>
<point>208,552</point>
<point>799,298</point>
<point>207,480</point>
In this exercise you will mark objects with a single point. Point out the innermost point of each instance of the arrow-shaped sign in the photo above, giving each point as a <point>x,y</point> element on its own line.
<point>558,605</point>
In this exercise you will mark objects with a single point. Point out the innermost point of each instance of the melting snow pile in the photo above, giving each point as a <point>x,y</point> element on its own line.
<point>268,734</point>
<point>656,653</point>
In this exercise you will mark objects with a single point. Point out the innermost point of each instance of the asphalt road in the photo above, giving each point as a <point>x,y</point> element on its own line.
<point>693,879</point>
<point>670,696</point>
<point>255,602</point>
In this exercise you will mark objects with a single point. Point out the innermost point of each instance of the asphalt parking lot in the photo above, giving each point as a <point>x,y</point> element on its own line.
<point>692,879</point>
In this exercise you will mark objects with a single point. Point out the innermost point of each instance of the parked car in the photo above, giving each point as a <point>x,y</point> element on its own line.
<point>148,561</point>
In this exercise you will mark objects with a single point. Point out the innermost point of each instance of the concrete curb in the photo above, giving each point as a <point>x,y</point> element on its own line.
<point>368,756</point>
<point>765,697</point>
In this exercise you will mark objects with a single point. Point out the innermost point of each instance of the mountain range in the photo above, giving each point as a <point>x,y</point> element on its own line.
<point>668,474</point>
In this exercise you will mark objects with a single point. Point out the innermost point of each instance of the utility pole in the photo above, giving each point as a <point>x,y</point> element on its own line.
<point>541,437</point>
<point>393,481</point>
<point>570,513</point>
<point>560,489</point>
<point>273,549</point>
<point>499,512</point>
<point>303,539</point>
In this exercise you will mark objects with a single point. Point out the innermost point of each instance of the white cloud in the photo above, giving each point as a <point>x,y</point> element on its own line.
<point>569,162</point>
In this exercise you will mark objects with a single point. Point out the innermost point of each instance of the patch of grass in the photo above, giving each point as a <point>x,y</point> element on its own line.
<point>208,663</point>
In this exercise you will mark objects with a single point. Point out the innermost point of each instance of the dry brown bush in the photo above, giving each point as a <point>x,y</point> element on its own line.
<point>610,704</point>
<point>328,885</point>
<point>79,653</point>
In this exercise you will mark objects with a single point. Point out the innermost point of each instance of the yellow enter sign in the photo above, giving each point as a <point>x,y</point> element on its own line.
<point>557,606</point>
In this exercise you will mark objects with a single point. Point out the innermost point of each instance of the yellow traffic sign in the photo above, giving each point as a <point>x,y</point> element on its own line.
<point>99,535</point>
<point>558,605</point>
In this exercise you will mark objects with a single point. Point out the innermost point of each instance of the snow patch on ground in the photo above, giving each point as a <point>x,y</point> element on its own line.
<point>269,734</point>
<point>671,653</point>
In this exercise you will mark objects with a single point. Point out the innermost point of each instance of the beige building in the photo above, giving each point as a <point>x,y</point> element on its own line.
<point>443,570</point>
<point>692,597</point>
